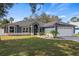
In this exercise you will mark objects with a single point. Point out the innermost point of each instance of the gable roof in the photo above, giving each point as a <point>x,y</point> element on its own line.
<point>52,24</point>
<point>32,21</point>
<point>26,23</point>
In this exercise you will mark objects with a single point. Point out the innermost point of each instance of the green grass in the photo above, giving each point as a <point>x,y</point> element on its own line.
<point>14,37</point>
<point>77,35</point>
<point>37,46</point>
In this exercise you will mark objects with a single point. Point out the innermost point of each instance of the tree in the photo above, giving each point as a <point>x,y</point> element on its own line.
<point>54,33</point>
<point>47,18</point>
<point>25,18</point>
<point>74,19</point>
<point>34,7</point>
<point>4,7</point>
<point>11,19</point>
<point>56,18</point>
<point>44,18</point>
<point>4,21</point>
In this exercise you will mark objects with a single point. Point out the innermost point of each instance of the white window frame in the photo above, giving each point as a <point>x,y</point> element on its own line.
<point>10,29</point>
<point>26,29</point>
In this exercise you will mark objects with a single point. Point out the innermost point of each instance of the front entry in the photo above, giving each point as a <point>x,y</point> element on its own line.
<point>35,29</point>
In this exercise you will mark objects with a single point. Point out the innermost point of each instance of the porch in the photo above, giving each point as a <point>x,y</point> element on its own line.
<point>33,29</point>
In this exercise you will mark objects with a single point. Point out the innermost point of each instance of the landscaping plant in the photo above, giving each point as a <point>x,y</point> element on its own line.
<point>54,33</point>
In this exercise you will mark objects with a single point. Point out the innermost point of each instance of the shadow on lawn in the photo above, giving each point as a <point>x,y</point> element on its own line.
<point>38,46</point>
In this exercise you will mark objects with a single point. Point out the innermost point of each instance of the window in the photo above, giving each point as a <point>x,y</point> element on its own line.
<point>30,29</point>
<point>12,29</point>
<point>42,30</point>
<point>25,29</point>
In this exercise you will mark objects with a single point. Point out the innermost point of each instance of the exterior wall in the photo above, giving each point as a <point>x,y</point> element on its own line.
<point>8,28</point>
<point>77,26</point>
<point>75,23</point>
<point>62,30</point>
<point>1,31</point>
<point>65,31</point>
<point>48,30</point>
<point>19,30</point>
<point>5,29</point>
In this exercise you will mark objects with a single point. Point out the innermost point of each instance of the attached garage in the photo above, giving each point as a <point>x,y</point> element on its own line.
<point>65,31</point>
<point>48,30</point>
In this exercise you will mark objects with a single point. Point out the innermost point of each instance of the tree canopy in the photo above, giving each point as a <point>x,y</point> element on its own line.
<point>43,18</point>
<point>4,21</point>
<point>34,7</point>
<point>74,19</point>
<point>47,18</point>
<point>4,7</point>
<point>11,19</point>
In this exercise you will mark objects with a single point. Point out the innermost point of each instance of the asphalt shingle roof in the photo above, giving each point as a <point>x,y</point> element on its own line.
<point>52,24</point>
<point>26,23</point>
<point>30,22</point>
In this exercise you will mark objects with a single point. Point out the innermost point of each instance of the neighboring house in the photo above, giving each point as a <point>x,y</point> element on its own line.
<point>36,27</point>
<point>77,26</point>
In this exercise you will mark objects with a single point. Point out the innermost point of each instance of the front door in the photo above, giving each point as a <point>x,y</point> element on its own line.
<point>35,29</point>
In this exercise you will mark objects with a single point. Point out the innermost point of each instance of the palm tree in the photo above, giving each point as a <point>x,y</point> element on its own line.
<point>11,19</point>
<point>34,7</point>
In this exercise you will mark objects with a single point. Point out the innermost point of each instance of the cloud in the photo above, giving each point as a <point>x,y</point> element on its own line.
<point>62,16</point>
<point>47,12</point>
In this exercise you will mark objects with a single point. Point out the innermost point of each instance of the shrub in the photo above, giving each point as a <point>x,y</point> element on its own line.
<point>41,33</point>
<point>54,33</point>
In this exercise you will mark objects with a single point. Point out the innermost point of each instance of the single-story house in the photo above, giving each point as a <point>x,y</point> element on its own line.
<point>37,27</point>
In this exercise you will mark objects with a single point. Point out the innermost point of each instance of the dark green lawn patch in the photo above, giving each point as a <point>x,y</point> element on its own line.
<point>38,46</point>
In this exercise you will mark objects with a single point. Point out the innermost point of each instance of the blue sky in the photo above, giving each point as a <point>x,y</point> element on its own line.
<point>64,10</point>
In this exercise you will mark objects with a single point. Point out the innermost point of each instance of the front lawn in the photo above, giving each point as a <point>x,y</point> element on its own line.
<point>77,35</point>
<point>14,37</point>
<point>37,46</point>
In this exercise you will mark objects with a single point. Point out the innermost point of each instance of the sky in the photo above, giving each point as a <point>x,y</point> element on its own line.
<point>65,11</point>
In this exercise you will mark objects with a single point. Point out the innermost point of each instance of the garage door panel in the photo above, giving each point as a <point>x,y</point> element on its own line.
<point>65,31</point>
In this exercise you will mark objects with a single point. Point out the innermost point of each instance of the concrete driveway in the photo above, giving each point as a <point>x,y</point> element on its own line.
<point>70,38</point>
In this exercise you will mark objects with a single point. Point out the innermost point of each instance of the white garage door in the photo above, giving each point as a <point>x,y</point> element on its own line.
<point>65,31</point>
